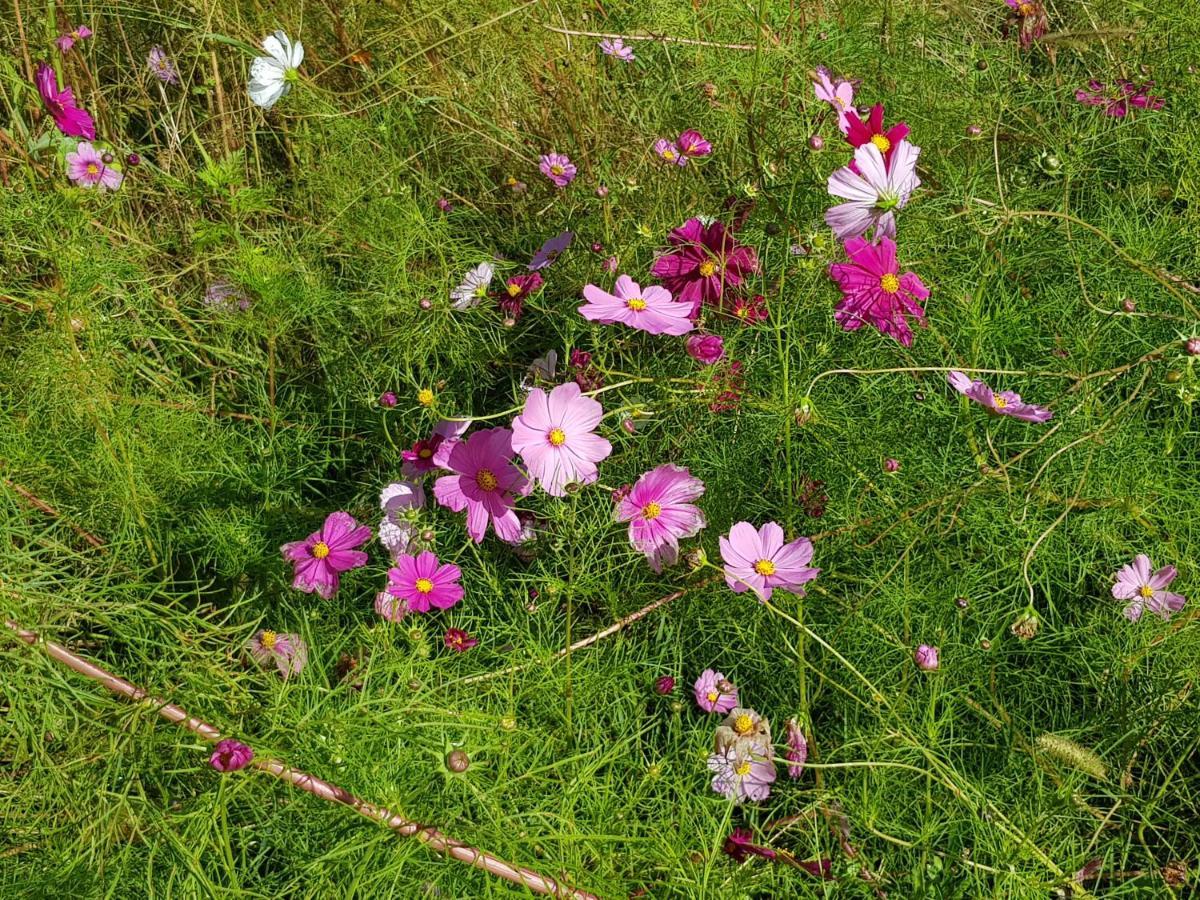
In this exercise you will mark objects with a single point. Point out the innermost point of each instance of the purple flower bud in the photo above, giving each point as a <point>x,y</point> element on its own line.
<point>387,399</point>
<point>926,658</point>
<point>664,685</point>
<point>706,349</point>
<point>629,425</point>
<point>797,751</point>
<point>230,755</point>
<point>107,159</point>
<point>1192,347</point>
<point>974,131</point>
<point>444,205</point>
<point>816,142</point>
<point>891,465</point>
<point>133,160</point>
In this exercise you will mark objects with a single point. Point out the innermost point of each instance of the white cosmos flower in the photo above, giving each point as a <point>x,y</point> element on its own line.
<point>473,288</point>
<point>271,76</point>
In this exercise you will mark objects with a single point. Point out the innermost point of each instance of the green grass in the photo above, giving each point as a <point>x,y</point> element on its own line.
<point>194,443</point>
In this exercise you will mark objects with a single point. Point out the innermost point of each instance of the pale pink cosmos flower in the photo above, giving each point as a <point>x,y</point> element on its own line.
<point>1002,403</point>
<point>87,168</point>
<point>555,435</point>
<point>422,582</point>
<point>1146,589</point>
<point>759,560</point>
<point>162,66</point>
<point>838,94</point>
<point>230,755</point>
<point>669,153</point>
<point>740,776</point>
<point>874,192</point>
<point>874,291</point>
<point>66,41</point>
<point>616,47</point>
<point>692,144</point>
<point>286,652</point>
<point>391,608</point>
<point>484,482</point>
<point>714,692</point>
<point>660,511</point>
<point>558,168</point>
<point>649,309</point>
<point>320,558</point>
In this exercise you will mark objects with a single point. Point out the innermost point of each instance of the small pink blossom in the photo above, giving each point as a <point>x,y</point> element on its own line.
<point>615,47</point>
<point>424,454</point>
<point>660,511</point>
<point>320,558</point>
<point>669,153</point>
<point>692,144</point>
<point>838,94</point>
<point>759,560</point>
<point>162,66</point>
<point>649,309</point>
<point>458,640</point>
<point>739,775</point>
<point>706,349</point>
<point>286,652</point>
<point>555,436</point>
<point>484,482</point>
<point>1002,403</point>
<point>750,311</point>
<point>230,755</point>
<point>926,657</point>
<point>1146,589</point>
<point>87,168</point>
<point>424,583</point>
<point>558,168</point>
<point>714,693</point>
<point>66,41</point>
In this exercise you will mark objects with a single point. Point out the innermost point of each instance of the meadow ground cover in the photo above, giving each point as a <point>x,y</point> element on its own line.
<point>860,338</point>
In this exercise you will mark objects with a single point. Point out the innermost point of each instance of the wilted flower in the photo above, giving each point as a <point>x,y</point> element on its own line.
<point>664,685</point>
<point>714,692</point>
<point>70,119</point>
<point>740,846</point>
<point>891,465</point>
<point>66,41</point>
<point>272,76</point>
<point>458,640</point>
<point>1146,589</point>
<point>616,47</point>
<point>162,66</point>
<point>740,776</point>
<point>745,730</point>
<point>1026,626</point>
<point>286,652</point>
<point>1116,102</point>
<point>797,749</point>
<point>660,511</point>
<point>706,349</point>
<point>550,251</point>
<point>388,399</point>
<point>516,290</point>
<point>752,311</point>
<point>224,296</point>
<point>1030,18</point>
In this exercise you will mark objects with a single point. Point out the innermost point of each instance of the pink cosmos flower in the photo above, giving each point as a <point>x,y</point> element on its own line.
<point>750,311</point>
<point>875,191</point>
<point>715,693</point>
<point>161,65</point>
<point>740,776</point>
<point>423,456</point>
<point>230,755</point>
<point>701,262</point>
<point>873,132</point>
<point>1146,590</point>
<point>797,751</point>
<point>758,560</point>
<point>1117,102</point>
<point>706,349</point>
<point>484,482</point>
<point>458,640</point>
<point>616,47</point>
<point>87,168</point>
<point>669,153</point>
<point>692,144</point>
<point>286,652</point>
<point>839,95</point>
<point>558,168</point>
<point>649,309</point>
<point>873,290</point>
<point>551,250</point>
<point>66,41</point>
<point>70,119</point>
<point>224,296</point>
<point>323,555</point>
<point>1004,403</point>
<point>660,511</point>
<point>422,582</point>
<point>555,436</point>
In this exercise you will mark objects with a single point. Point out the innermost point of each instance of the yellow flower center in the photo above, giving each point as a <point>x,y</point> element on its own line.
<point>998,401</point>
<point>839,101</point>
<point>557,437</point>
<point>425,453</point>
<point>93,169</point>
<point>511,180</point>
<point>668,155</point>
<point>557,170</point>
<point>320,550</point>
<point>268,640</point>
<point>713,696</point>
<point>743,769</point>
<point>637,304</point>
<point>764,567</point>
<point>1025,9</point>
<point>881,141</point>
<point>890,283</point>
<point>480,290</point>
<point>707,268</point>
<point>513,289</point>
<point>651,511</point>
<point>1145,591</point>
<point>743,724</point>
<point>486,479</point>
<point>424,586</point>
<point>425,397</point>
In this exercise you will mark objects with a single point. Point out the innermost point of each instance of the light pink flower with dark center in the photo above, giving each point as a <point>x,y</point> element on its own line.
<point>484,482</point>
<point>458,640</point>
<point>1116,102</point>
<point>838,94</point>
<point>1002,403</point>
<point>692,144</point>
<point>1146,589</point>
<point>701,262</point>
<point>162,66</point>
<point>230,755</point>
<point>423,582</point>
<point>874,132</point>
<point>70,119</point>
<point>797,749</point>
<point>714,692</point>
<point>615,47</point>
<point>87,168</point>
<point>286,652</point>
<point>759,560</point>
<point>423,456</point>
<point>669,153</point>
<point>660,511</point>
<point>555,436</point>
<point>558,168</point>
<point>874,291</point>
<point>875,191</point>
<point>320,558</point>
<point>740,776</point>
<point>649,309</point>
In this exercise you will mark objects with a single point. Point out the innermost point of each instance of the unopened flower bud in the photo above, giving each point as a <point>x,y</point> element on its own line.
<point>664,685</point>
<point>926,658</point>
<point>891,465</point>
<point>816,142</point>
<point>458,761</point>
<point>974,131</point>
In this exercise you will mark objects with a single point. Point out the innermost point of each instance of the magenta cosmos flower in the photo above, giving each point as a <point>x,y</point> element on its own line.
<point>70,119</point>
<point>714,692</point>
<point>873,131</point>
<point>692,144</point>
<point>484,482</point>
<point>162,66</point>
<point>230,755</point>
<point>875,292</point>
<point>458,640</point>
<point>286,652</point>
<point>323,555</point>
<point>66,41</point>
<point>558,168</point>
<point>1004,403</point>
<point>424,454</point>
<point>1116,102</point>
<point>759,560</point>
<point>87,168</point>
<point>706,349</point>
<point>874,192</point>
<point>1030,19</point>
<point>740,776</point>
<point>702,260</point>
<point>1146,589</point>
<point>649,309</point>
<point>838,94</point>
<point>555,435</point>
<point>424,583</point>
<point>616,47</point>
<point>660,511</point>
